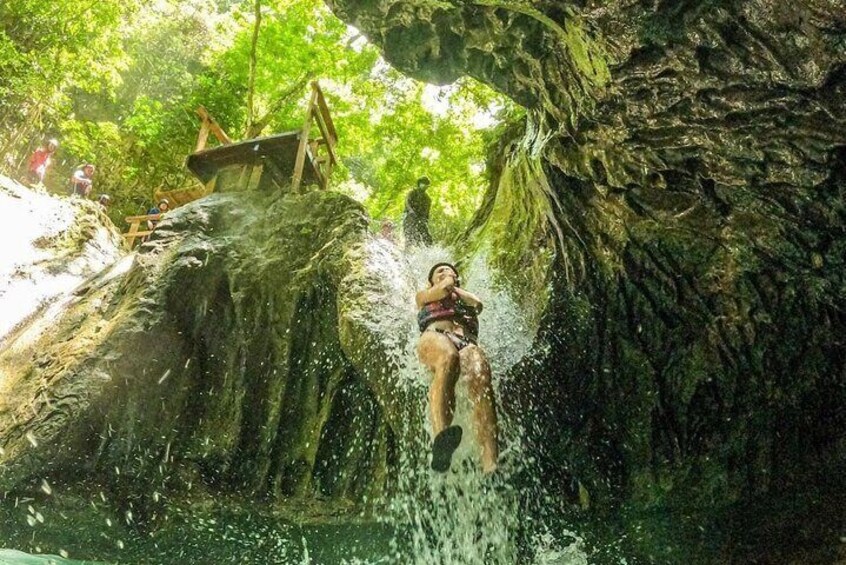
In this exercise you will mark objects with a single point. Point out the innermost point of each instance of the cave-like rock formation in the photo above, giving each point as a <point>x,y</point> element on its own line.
<point>686,163</point>
<point>221,357</point>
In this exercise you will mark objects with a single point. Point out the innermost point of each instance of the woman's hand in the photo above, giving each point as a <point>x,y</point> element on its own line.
<point>448,284</point>
<point>468,298</point>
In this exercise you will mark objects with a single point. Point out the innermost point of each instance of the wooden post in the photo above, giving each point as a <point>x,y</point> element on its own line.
<point>130,235</point>
<point>327,129</point>
<point>324,112</point>
<point>327,174</point>
<point>203,137</point>
<point>299,164</point>
<point>213,126</point>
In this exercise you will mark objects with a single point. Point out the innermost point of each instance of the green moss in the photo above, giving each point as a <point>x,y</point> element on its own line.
<point>585,52</point>
<point>512,229</point>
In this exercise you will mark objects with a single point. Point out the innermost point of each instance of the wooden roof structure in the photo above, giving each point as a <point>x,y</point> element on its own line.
<point>283,161</point>
<point>278,161</point>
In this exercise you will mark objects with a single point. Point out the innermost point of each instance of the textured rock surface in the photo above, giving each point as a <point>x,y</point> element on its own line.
<point>49,246</point>
<point>695,159</point>
<point>212,360</point>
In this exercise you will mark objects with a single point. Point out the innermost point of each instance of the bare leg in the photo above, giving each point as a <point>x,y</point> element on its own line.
<point>439,354</point>
<point>477,371</point>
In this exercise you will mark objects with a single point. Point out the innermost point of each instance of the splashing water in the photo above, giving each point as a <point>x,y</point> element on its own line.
<point>461,516</point>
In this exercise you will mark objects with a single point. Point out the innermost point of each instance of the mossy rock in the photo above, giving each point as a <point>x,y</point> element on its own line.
<point>220,355</point>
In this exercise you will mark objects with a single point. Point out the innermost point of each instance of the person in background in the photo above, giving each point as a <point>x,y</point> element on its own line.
<point>104,200</point>
<point>82,180</point>
<point>387,231</point>
<point>415,221</point>
<point>160,208</point>
<point>41,161</point>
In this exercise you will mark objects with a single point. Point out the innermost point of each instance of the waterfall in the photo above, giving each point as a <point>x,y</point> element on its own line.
<point>462,516</point>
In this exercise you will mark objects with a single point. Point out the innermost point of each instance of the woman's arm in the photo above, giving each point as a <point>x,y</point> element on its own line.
<point>469,298</point>
<point>437,292</point>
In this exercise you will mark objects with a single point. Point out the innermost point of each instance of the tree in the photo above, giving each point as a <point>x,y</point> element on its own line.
<point>120,86</point>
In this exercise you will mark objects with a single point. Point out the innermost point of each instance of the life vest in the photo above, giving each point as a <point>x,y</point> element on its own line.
<point>450,308</point>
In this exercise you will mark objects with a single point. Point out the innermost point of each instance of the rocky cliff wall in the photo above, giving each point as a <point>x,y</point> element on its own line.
<point>687,163</point>
<point>212,360</point>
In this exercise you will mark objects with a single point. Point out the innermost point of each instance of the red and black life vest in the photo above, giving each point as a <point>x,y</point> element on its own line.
<point>450,308</point>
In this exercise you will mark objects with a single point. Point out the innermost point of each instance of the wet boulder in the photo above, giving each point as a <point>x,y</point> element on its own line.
<point>219,357</point>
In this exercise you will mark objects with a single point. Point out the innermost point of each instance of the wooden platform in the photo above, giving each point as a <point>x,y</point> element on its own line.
<point>284,161</point>
<point>260,163</point>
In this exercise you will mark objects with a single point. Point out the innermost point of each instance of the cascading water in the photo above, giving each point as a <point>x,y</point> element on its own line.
<point>462,516</point>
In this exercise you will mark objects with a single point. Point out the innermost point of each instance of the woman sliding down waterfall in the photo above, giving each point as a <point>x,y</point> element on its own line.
<point>449,327</point>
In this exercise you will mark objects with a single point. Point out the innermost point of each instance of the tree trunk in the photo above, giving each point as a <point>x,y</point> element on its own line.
<point>251,87</point>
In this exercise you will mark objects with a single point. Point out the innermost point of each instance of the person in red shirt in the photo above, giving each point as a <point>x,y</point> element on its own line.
<point>41,160</point>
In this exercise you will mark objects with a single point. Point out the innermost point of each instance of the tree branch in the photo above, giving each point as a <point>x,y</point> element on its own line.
<point>255,128</point>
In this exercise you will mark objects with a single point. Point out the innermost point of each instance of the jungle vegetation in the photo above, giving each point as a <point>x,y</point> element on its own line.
<point>117,82</point>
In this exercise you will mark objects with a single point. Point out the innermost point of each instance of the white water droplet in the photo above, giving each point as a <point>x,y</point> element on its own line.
<point>109,522</point>
<point>120,544</point>
<point>164,376</point>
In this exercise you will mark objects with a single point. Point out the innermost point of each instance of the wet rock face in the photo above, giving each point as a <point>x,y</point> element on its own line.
<point>543,59</point>
<point>210,360</point>
<point>692,157</point>
<point>50,245</point>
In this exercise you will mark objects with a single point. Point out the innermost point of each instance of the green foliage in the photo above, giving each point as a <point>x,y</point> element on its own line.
<point>49,48</point>
<point>119,87</point>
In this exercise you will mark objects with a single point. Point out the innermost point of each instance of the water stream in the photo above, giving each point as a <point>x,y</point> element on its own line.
<point>461,517</point>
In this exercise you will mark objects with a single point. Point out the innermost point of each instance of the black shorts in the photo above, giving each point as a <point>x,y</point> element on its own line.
<point>458,340</point>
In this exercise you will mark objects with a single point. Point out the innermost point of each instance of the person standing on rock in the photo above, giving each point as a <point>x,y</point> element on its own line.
<point>41,161</point>
<point>449,326</point>
<point>415,220</point>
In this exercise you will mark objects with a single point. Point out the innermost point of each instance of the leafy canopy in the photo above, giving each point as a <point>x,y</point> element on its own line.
<point>118,85</point>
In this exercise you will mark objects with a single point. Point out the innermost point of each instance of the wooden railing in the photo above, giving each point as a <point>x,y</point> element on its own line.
<point>134,227</point>
<point>318,111</point>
